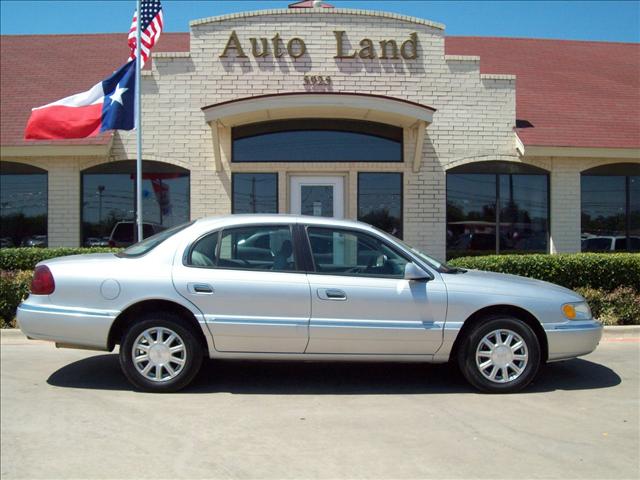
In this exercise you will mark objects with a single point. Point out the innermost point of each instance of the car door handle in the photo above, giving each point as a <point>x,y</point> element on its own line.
<point>200,288</point>
<point>331,294</point>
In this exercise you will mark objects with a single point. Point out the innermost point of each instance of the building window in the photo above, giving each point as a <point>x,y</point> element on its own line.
<point>23,205</point>
<point>610,197</point>
<point>317,140</point>
<point>497,207</point>
<point>254,193</point>
<point>108,198</point>
<point>380,201</point>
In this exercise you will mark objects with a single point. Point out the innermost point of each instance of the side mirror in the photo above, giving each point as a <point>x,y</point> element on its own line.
<point>414,272</point>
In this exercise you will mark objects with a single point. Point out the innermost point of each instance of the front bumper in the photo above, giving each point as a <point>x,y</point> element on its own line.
<point>70,326</point>
<point>572,339</point>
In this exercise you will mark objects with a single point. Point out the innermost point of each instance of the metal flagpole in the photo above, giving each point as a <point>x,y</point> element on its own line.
<point>138,123</point>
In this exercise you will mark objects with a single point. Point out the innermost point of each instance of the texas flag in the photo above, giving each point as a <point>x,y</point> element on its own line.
<point>109,105</point>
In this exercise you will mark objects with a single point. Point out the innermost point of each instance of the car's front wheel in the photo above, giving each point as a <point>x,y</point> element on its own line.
<point>500,355</point>
<point>160,353</point>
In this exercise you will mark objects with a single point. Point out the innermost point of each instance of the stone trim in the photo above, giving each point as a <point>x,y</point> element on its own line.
<point>319,11</point>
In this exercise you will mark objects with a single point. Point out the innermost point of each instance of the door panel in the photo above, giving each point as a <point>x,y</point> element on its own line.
<point>251,307</point>
<point>360,302</point>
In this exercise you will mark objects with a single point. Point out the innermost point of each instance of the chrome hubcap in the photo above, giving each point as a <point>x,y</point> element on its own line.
<point>159,354</point>
<point>502,356</point>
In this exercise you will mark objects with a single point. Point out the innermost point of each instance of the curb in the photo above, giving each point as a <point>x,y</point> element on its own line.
<point>609,331</point>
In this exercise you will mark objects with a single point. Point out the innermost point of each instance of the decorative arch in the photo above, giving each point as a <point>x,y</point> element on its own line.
<point>319,105</point>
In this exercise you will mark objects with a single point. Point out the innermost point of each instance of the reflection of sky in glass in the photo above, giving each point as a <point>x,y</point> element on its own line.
<point>26,194</point>
<point>528,192</point>
<point>603,196</point>
<point>118,198</point>
<point>255,193</point>
<point>472,192</point>
<point>316,146</point>
<point>379,191</point>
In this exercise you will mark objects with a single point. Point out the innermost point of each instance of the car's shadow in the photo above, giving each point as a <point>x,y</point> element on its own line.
<point>102,372</point>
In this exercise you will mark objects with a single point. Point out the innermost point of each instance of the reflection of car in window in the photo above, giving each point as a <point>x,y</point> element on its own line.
<point>610,244</point>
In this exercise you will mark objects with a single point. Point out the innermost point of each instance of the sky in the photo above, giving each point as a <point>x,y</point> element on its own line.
<point>615,21</point>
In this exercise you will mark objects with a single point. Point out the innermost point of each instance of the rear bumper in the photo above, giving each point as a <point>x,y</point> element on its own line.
<point>572,339</point>
<point>70,326</point>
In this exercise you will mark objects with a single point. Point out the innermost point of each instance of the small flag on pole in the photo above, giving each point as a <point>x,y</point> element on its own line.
<point>151,23</point>
<point>108,105</point>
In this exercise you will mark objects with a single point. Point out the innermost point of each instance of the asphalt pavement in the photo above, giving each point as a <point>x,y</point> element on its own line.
<point>71,414</point>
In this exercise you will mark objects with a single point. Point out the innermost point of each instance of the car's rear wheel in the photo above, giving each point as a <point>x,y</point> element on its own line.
<point>160,353</point>
<point>500,355</point>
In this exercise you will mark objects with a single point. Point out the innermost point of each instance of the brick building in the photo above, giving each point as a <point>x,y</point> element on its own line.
<point>457,144</point>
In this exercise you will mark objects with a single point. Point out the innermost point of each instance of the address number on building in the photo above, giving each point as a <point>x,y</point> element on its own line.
<point>317,80</point>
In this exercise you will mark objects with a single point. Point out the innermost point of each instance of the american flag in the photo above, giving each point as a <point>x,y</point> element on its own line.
<point>151,23</point>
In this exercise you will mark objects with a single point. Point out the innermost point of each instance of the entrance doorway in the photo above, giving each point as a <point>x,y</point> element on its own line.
<point>317,196</point>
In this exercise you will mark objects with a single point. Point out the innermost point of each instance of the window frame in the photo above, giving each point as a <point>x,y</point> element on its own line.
<point>186,257</point>
<point>327,121</point>
<point>626,171</point>
<point>401,174</point>
<point>233,187</point>
<point>382,240</point>
<point>120,168</point>
<point>28,169</point>
<point>496,169</point>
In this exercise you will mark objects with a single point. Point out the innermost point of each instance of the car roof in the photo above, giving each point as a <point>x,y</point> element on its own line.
<point>252,219</point>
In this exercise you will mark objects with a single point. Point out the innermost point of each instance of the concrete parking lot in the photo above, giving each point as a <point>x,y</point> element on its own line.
<point>70,413</point>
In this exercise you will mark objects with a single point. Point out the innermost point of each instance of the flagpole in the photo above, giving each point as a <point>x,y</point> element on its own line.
<point>138,123</point>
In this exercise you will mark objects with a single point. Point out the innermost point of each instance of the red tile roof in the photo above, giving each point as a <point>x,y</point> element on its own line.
<point>574,94</point>
<point>40,69</point>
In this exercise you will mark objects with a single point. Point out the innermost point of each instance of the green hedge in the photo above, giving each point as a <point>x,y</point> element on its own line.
<point>605,271</point>
<point>619,307</point>
<point>26,258</point>
<point>14,286</point>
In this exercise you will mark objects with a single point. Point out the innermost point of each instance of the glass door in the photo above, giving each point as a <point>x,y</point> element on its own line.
<point>317,196</point>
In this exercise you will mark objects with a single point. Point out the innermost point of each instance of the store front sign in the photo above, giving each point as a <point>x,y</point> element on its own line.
<point>296,47</point>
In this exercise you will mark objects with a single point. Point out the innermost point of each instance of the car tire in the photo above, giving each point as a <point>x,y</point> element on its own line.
<point>500,354</point>
<point>160,352</point>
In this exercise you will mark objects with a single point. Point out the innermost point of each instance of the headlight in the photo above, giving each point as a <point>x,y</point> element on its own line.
<point>577,311</point>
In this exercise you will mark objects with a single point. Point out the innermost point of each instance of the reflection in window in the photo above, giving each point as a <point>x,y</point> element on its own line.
<point>23,206</point>
<point>255,193</point>
<point>342,252</point>
<point>497,208</point>
<point>610,197</point>
<point>257,248</point>
<point>108,199</point>
<point>317,140</point>
<point>380,201</point>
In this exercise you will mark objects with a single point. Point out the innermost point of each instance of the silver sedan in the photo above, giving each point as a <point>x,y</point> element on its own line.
<point>300,288</point>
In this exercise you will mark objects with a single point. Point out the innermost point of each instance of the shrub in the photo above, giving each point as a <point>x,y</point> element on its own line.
<point>14,286</point>
<point>619,307</point>
<point>596,270</point>
<point>27,258</point>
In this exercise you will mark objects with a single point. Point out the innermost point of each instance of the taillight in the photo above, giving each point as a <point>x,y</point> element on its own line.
<point>42,283</point>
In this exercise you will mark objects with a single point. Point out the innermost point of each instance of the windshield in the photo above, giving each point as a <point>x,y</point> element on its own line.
<point>432,262</point>
<point>152,242</point>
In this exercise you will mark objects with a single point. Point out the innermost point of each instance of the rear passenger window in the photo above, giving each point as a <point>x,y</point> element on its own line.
<point>247,248</point>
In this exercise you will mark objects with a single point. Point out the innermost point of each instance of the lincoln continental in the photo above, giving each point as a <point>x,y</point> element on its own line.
<point>277,287</point>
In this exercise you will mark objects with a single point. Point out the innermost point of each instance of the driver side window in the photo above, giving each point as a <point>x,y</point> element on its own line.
<point>345,252</point>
